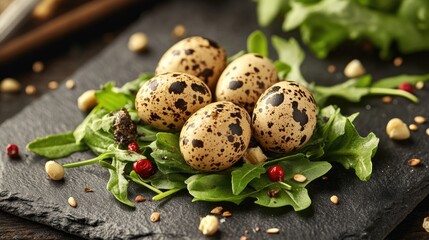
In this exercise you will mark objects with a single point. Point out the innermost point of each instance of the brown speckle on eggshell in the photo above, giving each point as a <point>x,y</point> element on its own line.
<point>198,56</point>
<point>167,100</point>
<point>284,117</point>
<point>245,79</point>
<point>215,137</point>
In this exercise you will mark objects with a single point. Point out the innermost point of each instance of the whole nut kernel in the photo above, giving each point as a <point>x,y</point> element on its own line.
<point>354,69</point>
<point>87,101</point>
<point>419,119</point>
<point>154,217</point>
<point>10,85</point>
<point>254,155</point>
<point>179,31</point>
<point>299,178</point>
<point>138,42</point>
<point>413,127</point>
<point>72,202</point>
<point>209,225</point>
<point>54,170</point>
<point>30,90</point>
<point>70,84</point>
<point>396,129</point>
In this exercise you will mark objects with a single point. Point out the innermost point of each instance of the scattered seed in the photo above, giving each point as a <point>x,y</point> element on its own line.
<point>413,127</point>
<point>226,214</point>
<point>325,178</point>
<point>138,42</point>
<point>38,67</point>
<point>30,90</point>
<point>299,178</point>
<point>273,230</point>
<point>54,170</point>
<point>427,131</point>
<point>334,199</point>
<point>53,85</point>
<point>354,69</point>
<point>246,232</point>
<point>420,85</point>
<point>140,198</point>
<point>179,31</point>
<point>419,119</point>
<point>414,162</point>
<point>387,99</point>
<point>397,61</point>
<point>72,202</point>
<point>209,225</point>
<point>331,68</point>
<point>70,84</point>
<point>10,85</point>
<point>426,224</point>
<point>243,238</point>
<point>154,217</point>
<point>273,192</point>
<point>217,210</point>
<point>87,190</point>
<point>257,229</point>
<point>396,129</point>
<point>87,101</point>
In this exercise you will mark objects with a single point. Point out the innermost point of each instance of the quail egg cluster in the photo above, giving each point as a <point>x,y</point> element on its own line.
<point>214,136</point>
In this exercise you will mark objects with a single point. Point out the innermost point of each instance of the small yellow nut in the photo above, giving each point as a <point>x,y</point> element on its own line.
<point>138,42</point>
<point>155,216</point>
<point>396,129</point>
<point>70,84</point>
<point>72,202</point>
<point>209,225</point>
<point>54,170</point>
<point>425,224</point>
<point>273,230</point>
<point>30,90</point>
<point>254,155</point>
<point>38,67</point>
<point>334,199</point>
<point>354,69</point>
<point>179,31</point>
<point>87,101</point>
<point>10,85</point>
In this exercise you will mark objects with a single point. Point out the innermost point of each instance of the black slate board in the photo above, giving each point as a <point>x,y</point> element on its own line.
<point>367,210</point>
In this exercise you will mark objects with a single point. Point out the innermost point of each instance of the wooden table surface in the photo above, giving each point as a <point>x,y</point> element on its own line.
<point>61,60</point>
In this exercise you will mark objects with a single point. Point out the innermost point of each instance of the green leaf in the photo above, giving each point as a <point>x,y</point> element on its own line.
<point>353,151</point>
<point>257,43</point>
<point>393,82</point>
<point>268,9</point>
<point>105,123</point>
<point>56,146</point>
<point>290,53</point>
<point>311,170</point>
<point>282,69</point>
<point>137,179</point>
<point>297,198</point>
<point>131,88</point>
<point>118,184</point>
<point>80,131</point>
<point>235,56</point>
<point>167,155</point>
<point>243,175</point>
<point>111,100</point>
<point>214,188</point>
<point>99,141</point>
<point>168,181</point>
<point>148,134</point>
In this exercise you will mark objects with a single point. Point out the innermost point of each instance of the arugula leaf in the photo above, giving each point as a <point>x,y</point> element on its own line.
<point>311,170</point>
<point>257,43</point>
<point>110,99</point>
<point>166,153</point>
<point>80,131</point>
<point>291,54</point>
<point>105,123</point>
<point>118,184</point>
<point>282,69</point>
<point>56,146</point>
<point>99,141</point>
<point>393,82</point>
<point>297,198</point>
<point>137,179</point>
<point>168,181</point>
<point>243,175</point>
<point>131,88</point>
<point>268,10</point>
<point>214,188</point>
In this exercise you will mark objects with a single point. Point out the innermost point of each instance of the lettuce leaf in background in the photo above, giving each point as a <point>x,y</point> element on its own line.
<point>325,24</point>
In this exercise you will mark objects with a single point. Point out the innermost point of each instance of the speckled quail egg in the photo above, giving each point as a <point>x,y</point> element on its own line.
<point>167,100</point>
<point>245,79</point>
<point>198,56</point>
<point>284,117</point>
<point>215,137</point>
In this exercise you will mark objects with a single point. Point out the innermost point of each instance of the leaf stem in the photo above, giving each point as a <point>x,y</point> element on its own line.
<point>285,185</point>
<point>89,161</point>
<point>165,194</point>
<point>149,187</point>
<point>393,92</point>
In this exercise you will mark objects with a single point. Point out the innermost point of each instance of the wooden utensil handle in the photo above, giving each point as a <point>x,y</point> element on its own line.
<point>61,26</point>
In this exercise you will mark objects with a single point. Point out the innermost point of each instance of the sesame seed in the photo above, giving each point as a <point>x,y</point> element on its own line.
<point>427,131</point>
<point>273,230</point>
<point>413,127</point>
<point>38,67</point>
<point>30,90</point>
<point>398,61</point>
<point>72,202</point>
<point>155,216</point>
<point>334,199</point>
<point>217,210</point>
<point>419,119</point>
<point>139,199</point>
<point>299,178</point>
<point>226,214</point>
<point>386,99</point>
<point>53,85</point>
<point>414,162</point>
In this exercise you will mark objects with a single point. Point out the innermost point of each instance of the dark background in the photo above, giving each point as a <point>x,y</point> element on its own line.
<point>61,60</point>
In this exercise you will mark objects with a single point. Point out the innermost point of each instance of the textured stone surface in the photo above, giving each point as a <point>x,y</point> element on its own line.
<point>366,210</point>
